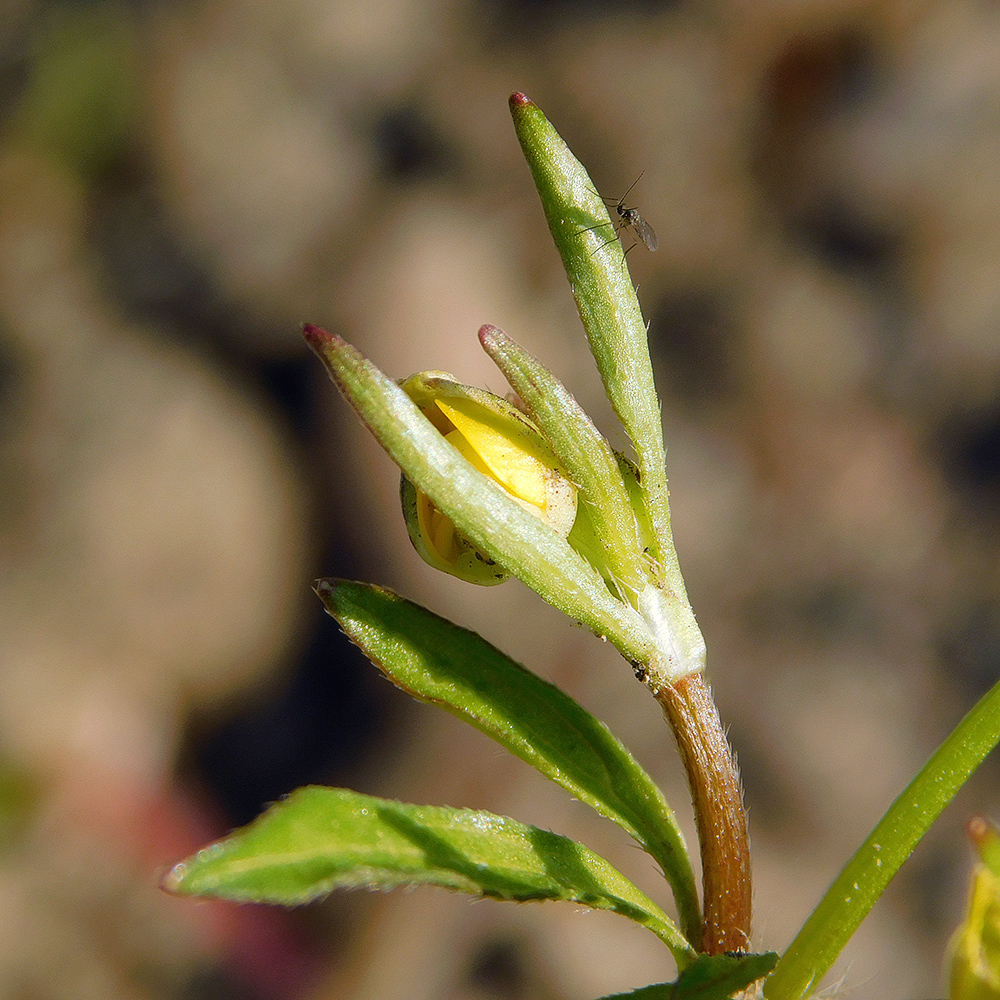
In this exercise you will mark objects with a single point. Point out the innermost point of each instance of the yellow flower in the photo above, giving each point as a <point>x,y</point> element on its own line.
<point>502,444</point>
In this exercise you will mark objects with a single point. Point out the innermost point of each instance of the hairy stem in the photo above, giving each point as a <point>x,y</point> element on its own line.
<point>718,805</point>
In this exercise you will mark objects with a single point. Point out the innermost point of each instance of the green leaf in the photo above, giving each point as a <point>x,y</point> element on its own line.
<point>866,875</point>
<point>710,977</point>
<point>439,662</point>
<point>320,839</point>
<point>481,510</point>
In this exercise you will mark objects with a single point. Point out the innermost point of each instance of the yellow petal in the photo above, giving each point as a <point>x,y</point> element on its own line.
<point>507,454</point>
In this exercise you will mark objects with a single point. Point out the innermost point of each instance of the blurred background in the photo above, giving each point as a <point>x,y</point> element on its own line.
<point>183,183</point>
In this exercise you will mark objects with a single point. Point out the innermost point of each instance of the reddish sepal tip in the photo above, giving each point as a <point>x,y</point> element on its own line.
<point>518,99</point>
<point>318,338</point>
<point>489,334</point>
<point>978,830</point>
<point>314,334</point>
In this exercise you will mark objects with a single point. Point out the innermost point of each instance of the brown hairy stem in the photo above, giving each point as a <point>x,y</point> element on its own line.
<point>718,805</point>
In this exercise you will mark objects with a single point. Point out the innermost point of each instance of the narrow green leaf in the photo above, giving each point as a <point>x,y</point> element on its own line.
<point>866,875</point>
<point>584,452</point>
<point>479,508</point>
<point>320,839</point>
<point>441,663</point>
<point>709,977</point>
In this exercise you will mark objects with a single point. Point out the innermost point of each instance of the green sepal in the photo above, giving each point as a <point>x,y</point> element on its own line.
<point>588,540</point>
<point>321,839</point>
<point>439,662</point>
<point>579,222</point>
<point>587,457</point>
<point>986,840</point>
<point>630,477</point>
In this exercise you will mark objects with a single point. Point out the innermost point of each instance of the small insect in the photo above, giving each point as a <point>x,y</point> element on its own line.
<point>630,219</point>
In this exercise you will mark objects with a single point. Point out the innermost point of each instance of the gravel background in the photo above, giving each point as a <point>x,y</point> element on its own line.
<point>182,184</point>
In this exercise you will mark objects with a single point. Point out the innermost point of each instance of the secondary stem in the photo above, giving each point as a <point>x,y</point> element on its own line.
<point>864,878</point>
<point>718,805</point>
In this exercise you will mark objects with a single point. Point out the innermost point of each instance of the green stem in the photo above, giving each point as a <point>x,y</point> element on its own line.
<point>876,862</point>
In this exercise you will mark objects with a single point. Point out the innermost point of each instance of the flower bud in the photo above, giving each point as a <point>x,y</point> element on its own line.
<point>504,445</point>
<point>975,946</point>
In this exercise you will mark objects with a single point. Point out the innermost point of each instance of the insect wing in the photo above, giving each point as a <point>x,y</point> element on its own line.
<point>644,231</point>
